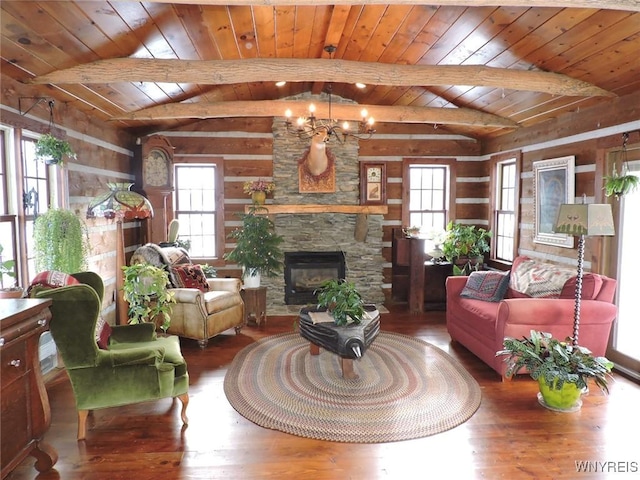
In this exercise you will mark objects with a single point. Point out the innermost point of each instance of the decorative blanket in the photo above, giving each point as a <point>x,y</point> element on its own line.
<point>539,279</point>
<point>162,258</point>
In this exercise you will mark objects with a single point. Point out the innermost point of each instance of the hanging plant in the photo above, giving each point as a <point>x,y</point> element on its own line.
<point>619,184</point>
<point>60,241</point>
<point>52,150</point>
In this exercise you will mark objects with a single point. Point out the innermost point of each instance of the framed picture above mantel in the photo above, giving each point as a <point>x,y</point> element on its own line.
<point>373,183</point>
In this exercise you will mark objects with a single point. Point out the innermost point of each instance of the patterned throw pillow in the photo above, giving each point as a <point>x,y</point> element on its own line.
<point>538,279</point>
<point>189,275</point>
<point>50,279</point>
<point>486,285</point>
<point>103,332</point>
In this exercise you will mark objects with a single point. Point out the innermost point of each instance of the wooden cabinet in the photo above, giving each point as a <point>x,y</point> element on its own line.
<point>415,279</point>
<point>25,414</point>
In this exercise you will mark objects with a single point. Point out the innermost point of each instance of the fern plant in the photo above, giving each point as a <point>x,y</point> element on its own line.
<point>618,184</point>
<point>61,241</point>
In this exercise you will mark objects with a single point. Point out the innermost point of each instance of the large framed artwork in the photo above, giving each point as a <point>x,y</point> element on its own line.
<point>553,185</point>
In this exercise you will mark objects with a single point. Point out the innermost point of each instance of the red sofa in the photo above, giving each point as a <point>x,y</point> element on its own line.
<point>481,326</point>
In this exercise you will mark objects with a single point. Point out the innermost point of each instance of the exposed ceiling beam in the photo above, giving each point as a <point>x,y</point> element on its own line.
<point>631,5</point>
<point>276,108</point>
<point>224,72</point>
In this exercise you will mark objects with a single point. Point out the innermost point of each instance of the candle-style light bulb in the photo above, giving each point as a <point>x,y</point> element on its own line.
<point>312,108</point>
<point>345,126</point>
<point>287,113</point>
<point>364,114</point>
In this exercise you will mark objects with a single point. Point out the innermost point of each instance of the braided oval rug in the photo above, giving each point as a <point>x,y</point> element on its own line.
<point>407,388</point>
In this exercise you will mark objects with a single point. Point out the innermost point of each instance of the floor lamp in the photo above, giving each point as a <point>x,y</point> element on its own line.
<point>582,220</point>
<point>120,203</point>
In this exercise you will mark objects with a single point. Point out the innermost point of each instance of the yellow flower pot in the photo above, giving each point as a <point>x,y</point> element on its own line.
<point>258,198</point>
<point>565,399</point>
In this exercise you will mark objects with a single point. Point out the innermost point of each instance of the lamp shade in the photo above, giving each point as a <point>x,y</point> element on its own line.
<point>120,202</point>
<point>593,219</point>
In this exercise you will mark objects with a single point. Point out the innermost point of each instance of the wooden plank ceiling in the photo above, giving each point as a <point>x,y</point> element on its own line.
<point>480,70</point>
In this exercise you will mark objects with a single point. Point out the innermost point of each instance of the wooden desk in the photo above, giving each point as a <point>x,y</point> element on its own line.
<point>25,414</point>
<point>255,304</point>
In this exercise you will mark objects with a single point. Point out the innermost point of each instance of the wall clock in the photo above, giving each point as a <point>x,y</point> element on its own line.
<point>373,183</point>
<point>157,164</point>
<point>157,169</point>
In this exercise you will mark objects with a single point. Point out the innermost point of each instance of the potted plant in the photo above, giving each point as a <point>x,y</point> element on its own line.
<point>145,289</point>
<point>61,241</point>
<point>619,184</point>
<point>257,248</point>
<point>561,368</point>
<point>8,268</point>
<point>342,301</point>
<point>52,150</point>
<point>208,270</point>
<point>258,189</point>
<point>465,246</point>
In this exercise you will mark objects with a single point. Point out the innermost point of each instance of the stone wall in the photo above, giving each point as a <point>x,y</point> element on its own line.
<point>324,231</point>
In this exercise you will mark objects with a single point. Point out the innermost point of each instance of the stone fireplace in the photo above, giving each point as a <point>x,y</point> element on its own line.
<point>324,232</point>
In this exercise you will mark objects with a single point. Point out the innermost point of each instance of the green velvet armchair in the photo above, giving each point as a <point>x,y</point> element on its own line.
<point>137,366</point>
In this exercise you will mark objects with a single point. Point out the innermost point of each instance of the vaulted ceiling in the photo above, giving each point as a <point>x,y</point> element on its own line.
<point>480,69</point>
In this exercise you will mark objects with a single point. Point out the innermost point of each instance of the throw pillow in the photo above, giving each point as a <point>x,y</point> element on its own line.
<point>50,279</point>
<point>488,286</point>
<point>103,332</point>
<point>189,275</point>
<point>591,285</point>
<point>538,279</point>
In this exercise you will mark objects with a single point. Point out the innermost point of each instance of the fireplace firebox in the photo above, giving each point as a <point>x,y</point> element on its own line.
<point>304,272</point>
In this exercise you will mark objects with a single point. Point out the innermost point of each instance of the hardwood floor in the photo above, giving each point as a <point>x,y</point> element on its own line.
<point>510,436</point>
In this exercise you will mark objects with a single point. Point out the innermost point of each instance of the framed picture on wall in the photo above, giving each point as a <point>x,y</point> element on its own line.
<point>373,183</point>
<point>553,185</point>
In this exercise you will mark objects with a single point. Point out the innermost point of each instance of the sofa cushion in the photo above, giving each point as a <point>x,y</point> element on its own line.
<point>538,279</point>
<point>217,300</point>
<point>189,276</point>
<point>488,286</point>
<point>591,285</point>
<point>50,279</point>
<point>476,315</point>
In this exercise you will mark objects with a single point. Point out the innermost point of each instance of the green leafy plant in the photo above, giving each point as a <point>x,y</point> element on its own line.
<point>7,268</point>
<point>257,245</point>
<point>145,289</point>
<point>342,300</point>
<point>52,150</point>
<point>61,241</point>
<point>464,245</point>
<point>209,271</point>
<point>555,361</point>
<point>618,184</point>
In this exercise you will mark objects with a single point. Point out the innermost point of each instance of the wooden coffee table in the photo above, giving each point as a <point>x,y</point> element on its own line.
<point>348,342</point>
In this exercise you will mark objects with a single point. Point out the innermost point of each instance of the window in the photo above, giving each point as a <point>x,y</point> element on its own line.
<point>27,188</point>
<point>198,207</point>
<point>505,213</point>
<point>427,194</point>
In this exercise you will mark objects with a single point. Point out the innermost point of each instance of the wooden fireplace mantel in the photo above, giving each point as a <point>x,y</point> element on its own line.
<point>271,209</point>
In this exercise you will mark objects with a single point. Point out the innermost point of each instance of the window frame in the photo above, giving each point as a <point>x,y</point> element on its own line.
<point>495,185</point>
<point>218,163</point>
<point>450,196</point>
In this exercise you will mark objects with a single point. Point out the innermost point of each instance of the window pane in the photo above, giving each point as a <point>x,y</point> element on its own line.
<point>427,196</point>
<point>196,208</point>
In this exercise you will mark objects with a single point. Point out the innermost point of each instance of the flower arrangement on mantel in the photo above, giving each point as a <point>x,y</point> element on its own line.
<point>258,189</point>
<point>258,186</point>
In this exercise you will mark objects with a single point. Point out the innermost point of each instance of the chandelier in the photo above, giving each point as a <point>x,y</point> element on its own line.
<point>307,127</point>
